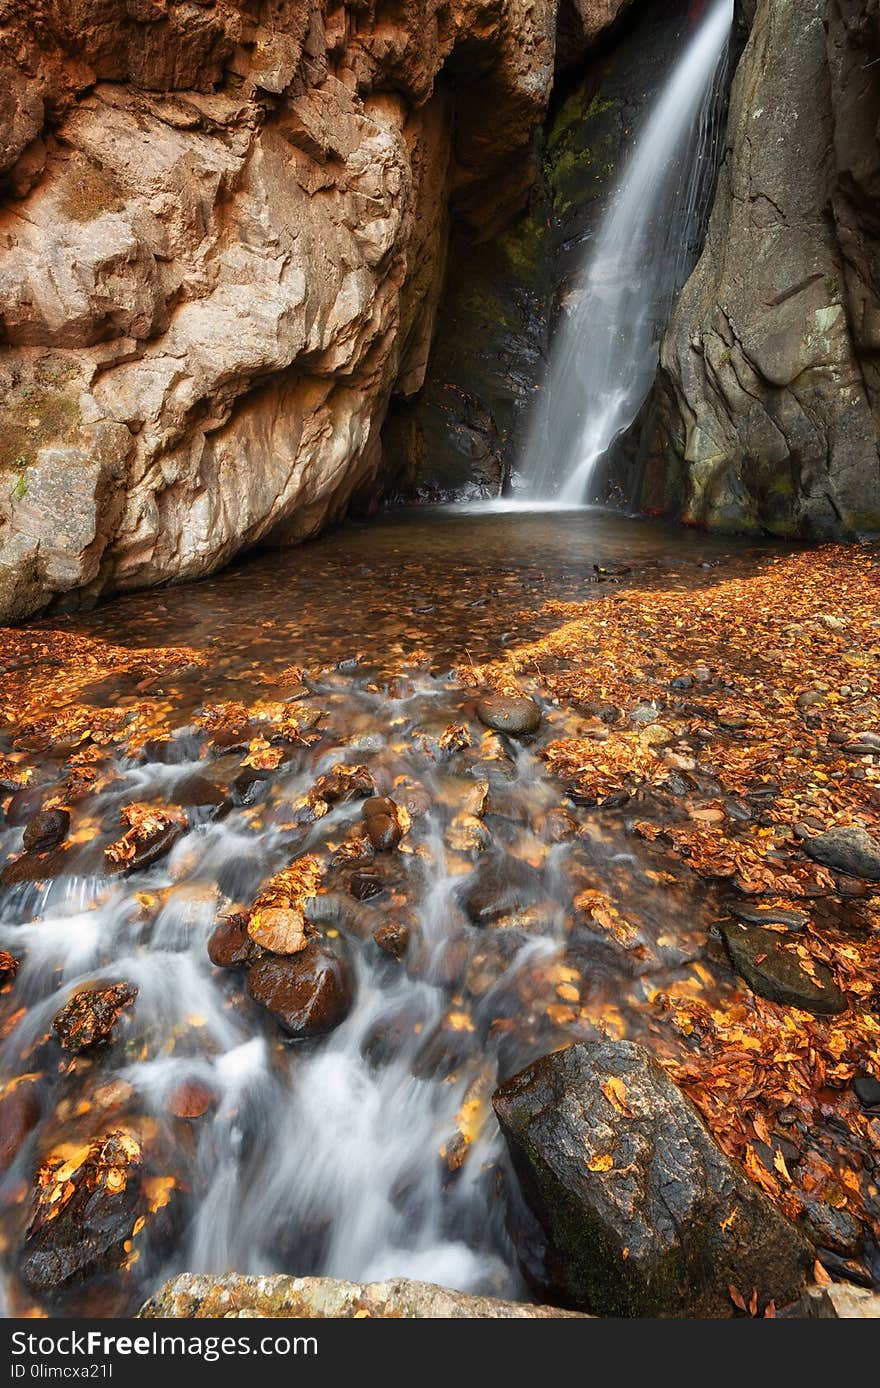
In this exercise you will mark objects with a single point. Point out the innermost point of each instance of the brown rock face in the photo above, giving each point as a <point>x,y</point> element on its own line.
<point>308,993</point>
<point>223,239</point>
<point>768,393</point>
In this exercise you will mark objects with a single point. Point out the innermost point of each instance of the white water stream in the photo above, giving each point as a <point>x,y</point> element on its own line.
<point>605,353</point>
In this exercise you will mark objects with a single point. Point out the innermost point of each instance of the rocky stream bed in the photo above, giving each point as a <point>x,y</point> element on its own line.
<point>489,901</point>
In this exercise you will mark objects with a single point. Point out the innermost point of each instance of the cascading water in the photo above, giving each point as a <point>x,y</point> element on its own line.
<point>369,1151</point>
<point>605,354</point>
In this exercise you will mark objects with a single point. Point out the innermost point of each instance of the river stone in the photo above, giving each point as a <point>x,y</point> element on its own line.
<point>774,972</point>
<point>393,938</point>
<point>867,1091</point>
<point>307,993</point>
<point>45,830</point>
<point>383,825</point>
<point>148,851</point>
<point>90,1015</point>
<point>771,915</point>
<point>230,945</point>
<point>24,804</point>
<point>852,851</point>
<point>509,713</point>
<point>498,886</point>
<point>640,1212</point>
<point>95,1220</point>
<point>197,1296</point>
<point>34,867</point>
<point>195,792</point>
<point>19,1114</point>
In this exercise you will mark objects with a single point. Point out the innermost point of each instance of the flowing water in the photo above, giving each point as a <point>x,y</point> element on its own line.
<point>371,1150</point>
<point>605,354</point>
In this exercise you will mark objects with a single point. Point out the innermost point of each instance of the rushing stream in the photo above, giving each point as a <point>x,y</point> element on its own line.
<point>371,1150</point>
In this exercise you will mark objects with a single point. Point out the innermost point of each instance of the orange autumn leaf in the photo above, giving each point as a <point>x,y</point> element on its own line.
<point>615,1092</point>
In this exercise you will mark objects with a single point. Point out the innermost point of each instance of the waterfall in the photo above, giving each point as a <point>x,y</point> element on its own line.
<point>605,354</point>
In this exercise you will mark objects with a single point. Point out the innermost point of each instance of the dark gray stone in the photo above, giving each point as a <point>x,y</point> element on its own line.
<point>641,1212</point>
<point>852,851</point>
<point>773,971</point>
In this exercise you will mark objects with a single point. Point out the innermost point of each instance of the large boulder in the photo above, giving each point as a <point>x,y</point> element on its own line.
<point>640,1212</point>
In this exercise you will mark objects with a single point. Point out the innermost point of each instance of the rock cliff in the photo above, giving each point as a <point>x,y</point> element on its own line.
<point>768,390</point>
<point>222,242</point>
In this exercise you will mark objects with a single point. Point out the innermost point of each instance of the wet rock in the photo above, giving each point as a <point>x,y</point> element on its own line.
<point>774,972</point>
<point>867,1091</point>
<point>9,967</point>
<point>366,883</point>
<point>497,887</point>
<point>250,785</point>
<point>834,1229</point>
<point>46,830</point>
<point>230,945</point>
<point>308,994</point>
<point>852,851</point>
<point>196,792</point>
<point>24,804</point>
<point>392,937</point>
<point>514,714</point>
<point>89,1017</point>
<point>19,1114</point>
<point>638,1210</point>
<point>556,826</point>
<point>343,783</point>
<point>383,824</point>
<point>771,915</point>
<point>85,1229</point>
<point>149,850</point>
<point>199,1295</point>
<point>171,751</point>
<point>34,867</point>
<point>337,911</point>
<point>392,1033</point>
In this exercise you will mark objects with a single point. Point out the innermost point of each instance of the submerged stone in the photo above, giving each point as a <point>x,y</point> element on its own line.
<point>771,970</point>
<point>86,1229</point>
<point>497,887</point>
<point>637,1210</point>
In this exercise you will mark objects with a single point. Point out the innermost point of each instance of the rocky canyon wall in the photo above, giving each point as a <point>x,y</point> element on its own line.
<point>222,241</point>
<point>464,433</point>
<point>768,390</point>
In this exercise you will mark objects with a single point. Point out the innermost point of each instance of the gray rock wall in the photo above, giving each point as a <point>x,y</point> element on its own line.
<point>767,393</point>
